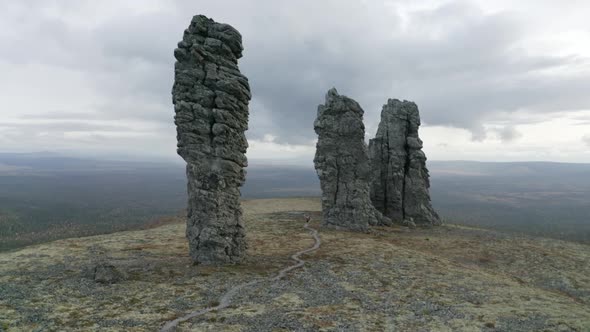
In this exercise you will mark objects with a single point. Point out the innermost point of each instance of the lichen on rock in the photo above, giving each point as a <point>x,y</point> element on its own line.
<point>342,164</point>
<point>211,98</point>
<point>400,180</point>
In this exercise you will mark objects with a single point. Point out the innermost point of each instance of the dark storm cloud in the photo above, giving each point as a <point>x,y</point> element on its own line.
<point>460,65</point>
<point>469,70</point>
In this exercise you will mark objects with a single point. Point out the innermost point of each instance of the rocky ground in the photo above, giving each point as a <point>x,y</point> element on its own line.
<point>446,278</point>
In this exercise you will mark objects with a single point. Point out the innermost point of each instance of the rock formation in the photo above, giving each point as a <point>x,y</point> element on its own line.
<point>342,164</point>
<point>107,273</point>
<point>400,183</point>
<point>211,98</point>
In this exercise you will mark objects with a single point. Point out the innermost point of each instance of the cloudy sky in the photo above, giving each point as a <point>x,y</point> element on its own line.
<point>494,80</point>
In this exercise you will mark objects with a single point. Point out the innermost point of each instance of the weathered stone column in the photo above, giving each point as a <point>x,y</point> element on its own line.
<point>211,98</point>
<point>400,183</point>
<point>342,164</point>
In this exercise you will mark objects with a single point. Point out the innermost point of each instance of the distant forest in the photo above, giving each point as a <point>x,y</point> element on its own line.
<point>44,197</point>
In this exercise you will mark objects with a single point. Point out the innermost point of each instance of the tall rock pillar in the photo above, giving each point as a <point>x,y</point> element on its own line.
<point>400,180</point>
<point>211,98</point>
<point>342,164</point>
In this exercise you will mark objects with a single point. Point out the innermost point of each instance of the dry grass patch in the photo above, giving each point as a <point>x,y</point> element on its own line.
<point>391,278</point>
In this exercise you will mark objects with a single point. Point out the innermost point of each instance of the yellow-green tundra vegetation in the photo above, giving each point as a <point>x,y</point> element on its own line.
<point>447,278</point>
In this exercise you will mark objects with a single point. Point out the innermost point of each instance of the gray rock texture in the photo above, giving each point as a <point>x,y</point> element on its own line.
<point>400,183</point>
<point>211,98</point>
<point>106,273</point>
<point>342,164</point>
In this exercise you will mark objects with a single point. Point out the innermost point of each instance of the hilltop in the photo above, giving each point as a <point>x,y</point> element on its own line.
<point>448,278</point>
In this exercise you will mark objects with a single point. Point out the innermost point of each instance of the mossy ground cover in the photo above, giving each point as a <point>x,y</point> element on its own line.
<point>446,278</point>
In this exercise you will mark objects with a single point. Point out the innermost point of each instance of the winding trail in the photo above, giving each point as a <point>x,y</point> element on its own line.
<point>225,300</point>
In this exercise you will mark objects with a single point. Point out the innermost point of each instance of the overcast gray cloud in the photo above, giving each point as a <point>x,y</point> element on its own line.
<point>508,133</point>
<point>465,65</point>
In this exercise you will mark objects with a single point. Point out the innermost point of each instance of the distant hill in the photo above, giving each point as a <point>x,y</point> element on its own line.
<point>548,199</point>
<point>48,196</point>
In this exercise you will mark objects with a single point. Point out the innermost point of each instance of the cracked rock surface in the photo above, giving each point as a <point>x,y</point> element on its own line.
<point>342,164</point>
<point>400,180</point>
<point>211,98</point>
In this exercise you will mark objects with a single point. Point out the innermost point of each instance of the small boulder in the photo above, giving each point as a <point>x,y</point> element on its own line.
<point>106,273</point>
<point>409,223</point>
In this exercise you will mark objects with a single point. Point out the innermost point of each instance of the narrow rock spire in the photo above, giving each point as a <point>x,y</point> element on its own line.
<point>211,98</point>
<point>342,164</point>
<point>400,180</point>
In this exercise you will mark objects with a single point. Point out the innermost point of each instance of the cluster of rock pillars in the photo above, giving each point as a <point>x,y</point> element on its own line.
<point>382,184</point>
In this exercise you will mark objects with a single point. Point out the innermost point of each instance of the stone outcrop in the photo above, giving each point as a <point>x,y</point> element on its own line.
<point>400,183</point>
<point>211,98</point>
<point>342,164</point>
<point>106,273</point>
